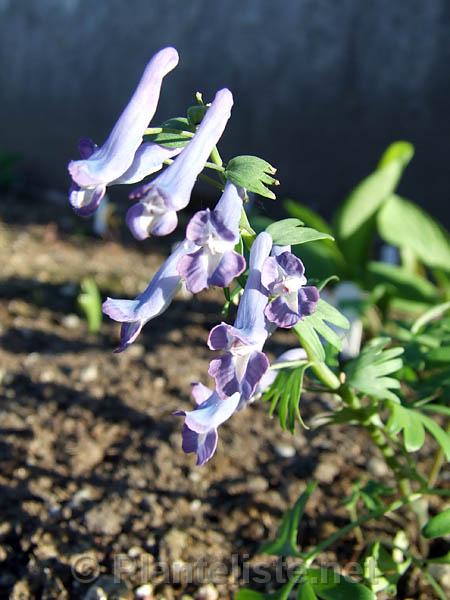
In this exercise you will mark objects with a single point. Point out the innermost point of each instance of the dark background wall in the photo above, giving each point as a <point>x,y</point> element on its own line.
<point>321,86</point>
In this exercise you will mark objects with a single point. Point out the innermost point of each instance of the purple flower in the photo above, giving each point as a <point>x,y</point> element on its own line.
<point>283,275</point>
<point>243,363</point>
<point>101,166</point>
<point>133,314</point>
<point>149,158</point>
<point>158,201</point>
<point>217,233</point>
<point>200,425</point>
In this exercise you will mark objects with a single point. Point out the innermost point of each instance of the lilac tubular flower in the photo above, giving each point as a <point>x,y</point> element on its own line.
<point>217,233</point>
<point>101,166</point>
<point>149,158</point>
<point>158,201</point>
<point>154,300</point>
<point>243,364</point>
<point>200,425</point>
<point>283,275</point>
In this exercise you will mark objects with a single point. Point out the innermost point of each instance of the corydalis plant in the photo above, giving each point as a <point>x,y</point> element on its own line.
<point>391,401</point>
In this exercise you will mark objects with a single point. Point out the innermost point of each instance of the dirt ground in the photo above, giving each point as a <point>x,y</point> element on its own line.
<point>94,485</point>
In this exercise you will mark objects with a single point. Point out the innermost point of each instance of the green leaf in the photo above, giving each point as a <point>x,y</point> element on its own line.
<point>438,526</point>
<point>373,495</point>
<point>329,585</point>
<point>284,395</point>
<point>253,174</point>
<point>401,283</point>
<point>90,303</point>
<point>315,325</point>
<point>403,224</point>
<point>309,339</point>
<point>367,372</point>
<point>368,196</point>
<point>306,592</point>
<point>401,152</point>
<point>355,221</point>
<point>173,139</point>
<point>290,232</point>
<point>409,421</point>
<point>285,543</point>
<point>441,436</point>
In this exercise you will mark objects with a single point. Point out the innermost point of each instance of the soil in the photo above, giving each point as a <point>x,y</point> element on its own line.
<point>97,498</point>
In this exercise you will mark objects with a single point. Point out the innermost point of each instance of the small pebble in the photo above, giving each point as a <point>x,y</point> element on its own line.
<point>89,374</point>
<point>32,359</point>
<point>71,321</point>
<point>257,484</point>
<point>79,497</point>
<point>326,472</point>
<point>144,592</point>
<point>47,376</point>
<point>285,450</point>
<point>195,505</point>
<point>377,467</point>
<point>207,592</point>
<point>134,552</point>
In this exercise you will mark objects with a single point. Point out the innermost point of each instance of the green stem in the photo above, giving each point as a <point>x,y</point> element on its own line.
<point>321,370</point>
<point>216,158</point>
<point>214,167</point>
<point>388,454</point>
<point>156,130</point>
<point>288,364</point>
<point>349,397</point>
<point>437,463</point>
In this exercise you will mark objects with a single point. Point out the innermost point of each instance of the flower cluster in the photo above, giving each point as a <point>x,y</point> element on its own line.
<point>275,293</point>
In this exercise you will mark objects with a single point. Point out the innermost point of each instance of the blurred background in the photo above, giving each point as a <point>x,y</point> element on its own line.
<point>321,87</point>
